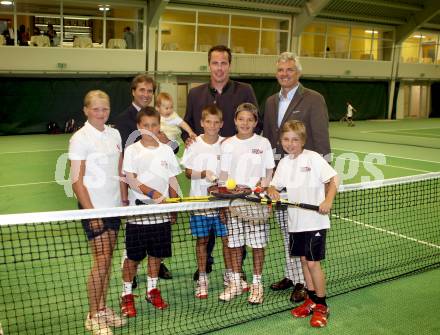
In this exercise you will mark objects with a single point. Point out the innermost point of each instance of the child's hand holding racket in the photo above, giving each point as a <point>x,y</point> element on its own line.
<point>273,193</point>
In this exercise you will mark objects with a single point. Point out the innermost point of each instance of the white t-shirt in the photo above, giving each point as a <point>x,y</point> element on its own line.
<point>154,166</point>
<point>304,178</point>
<point>170,126</point>
<point>201,156</point>
<point>247,160</point>
<point>349,110</point>
<point>101,151</point>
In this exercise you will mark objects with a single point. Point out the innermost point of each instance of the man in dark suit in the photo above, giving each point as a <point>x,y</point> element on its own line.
<point>142,91</point>
<point>295,102</point>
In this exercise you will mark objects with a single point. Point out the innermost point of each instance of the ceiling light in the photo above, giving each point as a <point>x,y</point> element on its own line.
<point>104,8</point>
<point>419,36</point>
<point>6,3</point>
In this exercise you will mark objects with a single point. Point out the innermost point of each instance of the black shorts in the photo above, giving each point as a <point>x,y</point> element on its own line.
<point>109,224</point>
<point>147,239</point>
<point>310,244</point>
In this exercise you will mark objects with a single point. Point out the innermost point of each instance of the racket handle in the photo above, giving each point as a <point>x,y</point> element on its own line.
<point>307,206</point>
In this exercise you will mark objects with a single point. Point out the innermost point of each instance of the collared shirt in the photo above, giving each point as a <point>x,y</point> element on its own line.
<point>284,103</point>
<point>136,106</point>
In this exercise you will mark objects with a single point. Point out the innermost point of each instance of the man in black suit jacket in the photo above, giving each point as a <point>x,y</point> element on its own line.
<point>295,102</point>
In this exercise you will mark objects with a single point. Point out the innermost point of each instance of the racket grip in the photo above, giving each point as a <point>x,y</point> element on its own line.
<point>307,206</point>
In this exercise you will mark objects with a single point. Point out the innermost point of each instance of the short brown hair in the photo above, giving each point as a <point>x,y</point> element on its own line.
<point>220,48</point>
<point>212,110</point>
<point>163,96</point>
<point>247,106</point>
<point>142,78</point>
<point>147,111</point>
<point>297,127</point>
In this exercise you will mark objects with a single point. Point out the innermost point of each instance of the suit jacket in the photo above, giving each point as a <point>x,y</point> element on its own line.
<point>126,123</point>
<point>307,106</point>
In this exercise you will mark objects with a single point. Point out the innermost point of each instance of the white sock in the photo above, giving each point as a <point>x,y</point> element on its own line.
<point>256,279</point>
<point>235,276</point>
<point>151,283</point>
<point>203,277</point>
<point>127,288</point>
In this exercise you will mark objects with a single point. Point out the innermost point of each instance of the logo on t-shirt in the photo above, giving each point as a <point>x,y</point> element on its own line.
<point>305,168</point>
<point>257,151</point>
<point>164,164</point>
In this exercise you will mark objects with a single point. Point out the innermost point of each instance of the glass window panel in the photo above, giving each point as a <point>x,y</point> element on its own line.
<point>24,30</point>
<point>244,41</point>
<point>73,8</point>
<point>316,28</point>
<point>210,18</point>
<point>312,45</point>
<point>339,30</point>
<point>428,43</point>
<point>360,48</point>
<point>43,6</point>
<point>177,37</point>
<point>269,23</point>
<point>410,49</point>
<point>337,47</point>
<point>273,42</point>
<point>124,34</point>
<point>125,12</point>
<point>365,32</point>
<point>245,21</point>
<point>179,16</point>
<point>210,36</point>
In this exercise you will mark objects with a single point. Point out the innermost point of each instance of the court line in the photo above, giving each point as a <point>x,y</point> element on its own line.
<point>27,184</point>
<point>389,232</point>
<point>394,166</point>
<point>31,151</point>
<point>394,130</point>
<point>407,158</point>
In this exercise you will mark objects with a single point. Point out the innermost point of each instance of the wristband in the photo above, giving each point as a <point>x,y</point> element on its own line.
<point>150,194</point>
<point>126,202</point>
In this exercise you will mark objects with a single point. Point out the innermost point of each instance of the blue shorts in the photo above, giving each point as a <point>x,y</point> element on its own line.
<point>201,226</point>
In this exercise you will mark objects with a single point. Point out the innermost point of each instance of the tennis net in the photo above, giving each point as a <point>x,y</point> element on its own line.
<point>380,231</point>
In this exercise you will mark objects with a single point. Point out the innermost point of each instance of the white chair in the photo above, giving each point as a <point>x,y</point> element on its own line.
<point>82,42</point>
<point>40,41</point>
<point>117,43</point>
<point>2,40</point>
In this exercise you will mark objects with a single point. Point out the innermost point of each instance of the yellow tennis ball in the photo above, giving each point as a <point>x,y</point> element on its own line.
<point>230,184</point>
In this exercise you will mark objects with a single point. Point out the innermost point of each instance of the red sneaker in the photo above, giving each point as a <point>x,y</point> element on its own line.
<point>155,299</point>
<point>128,308</point>
<point>320,316</point>
<point>303,310</point>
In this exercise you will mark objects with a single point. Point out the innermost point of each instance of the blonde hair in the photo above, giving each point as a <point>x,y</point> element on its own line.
<point>163,96</point>
<point>297,127</point>
<point>212,110</point>
<point>95,94</point>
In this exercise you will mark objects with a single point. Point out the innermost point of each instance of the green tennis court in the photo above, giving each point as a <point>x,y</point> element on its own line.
<point>34,178</point>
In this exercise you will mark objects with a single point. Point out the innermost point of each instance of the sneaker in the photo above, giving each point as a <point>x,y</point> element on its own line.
<point>154,297</point>
<point>320,316</point>
<point>112,318</point>
<point>256,294</point>
<point>202,289</point>
<point>231,291</point>
<point>303,310</point>
<point>97,325</point>
<point>244,286</point>
<point>128,308</point>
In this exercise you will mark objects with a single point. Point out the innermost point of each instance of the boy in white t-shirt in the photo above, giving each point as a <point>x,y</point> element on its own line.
<point>170,121</point>
<point>308,178</point>
<point>151,169</point>
<point>202,166</point>
<point>248,159</point>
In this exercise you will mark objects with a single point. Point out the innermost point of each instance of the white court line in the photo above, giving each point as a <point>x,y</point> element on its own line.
<point>31,151</point>
<point>395,130</point>
<point>389,232</point>
<point>394,166</point>
<point>27,184</point>
<point>407,158</point>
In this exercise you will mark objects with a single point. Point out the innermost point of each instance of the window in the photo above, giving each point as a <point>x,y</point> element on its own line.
<point>198,30</point>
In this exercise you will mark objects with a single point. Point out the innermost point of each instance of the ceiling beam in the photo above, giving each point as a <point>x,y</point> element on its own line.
<point>417,20</point>
<point>310,10</point>
<point>362,18</point>
<point>155,10</point>
<point>390,4</point>
<point>243,5</point>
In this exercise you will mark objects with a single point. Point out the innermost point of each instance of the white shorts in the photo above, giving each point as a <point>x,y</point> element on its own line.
<point>242,233</point>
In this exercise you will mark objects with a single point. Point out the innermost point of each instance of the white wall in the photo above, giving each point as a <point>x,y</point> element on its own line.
<point>41,60</point>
